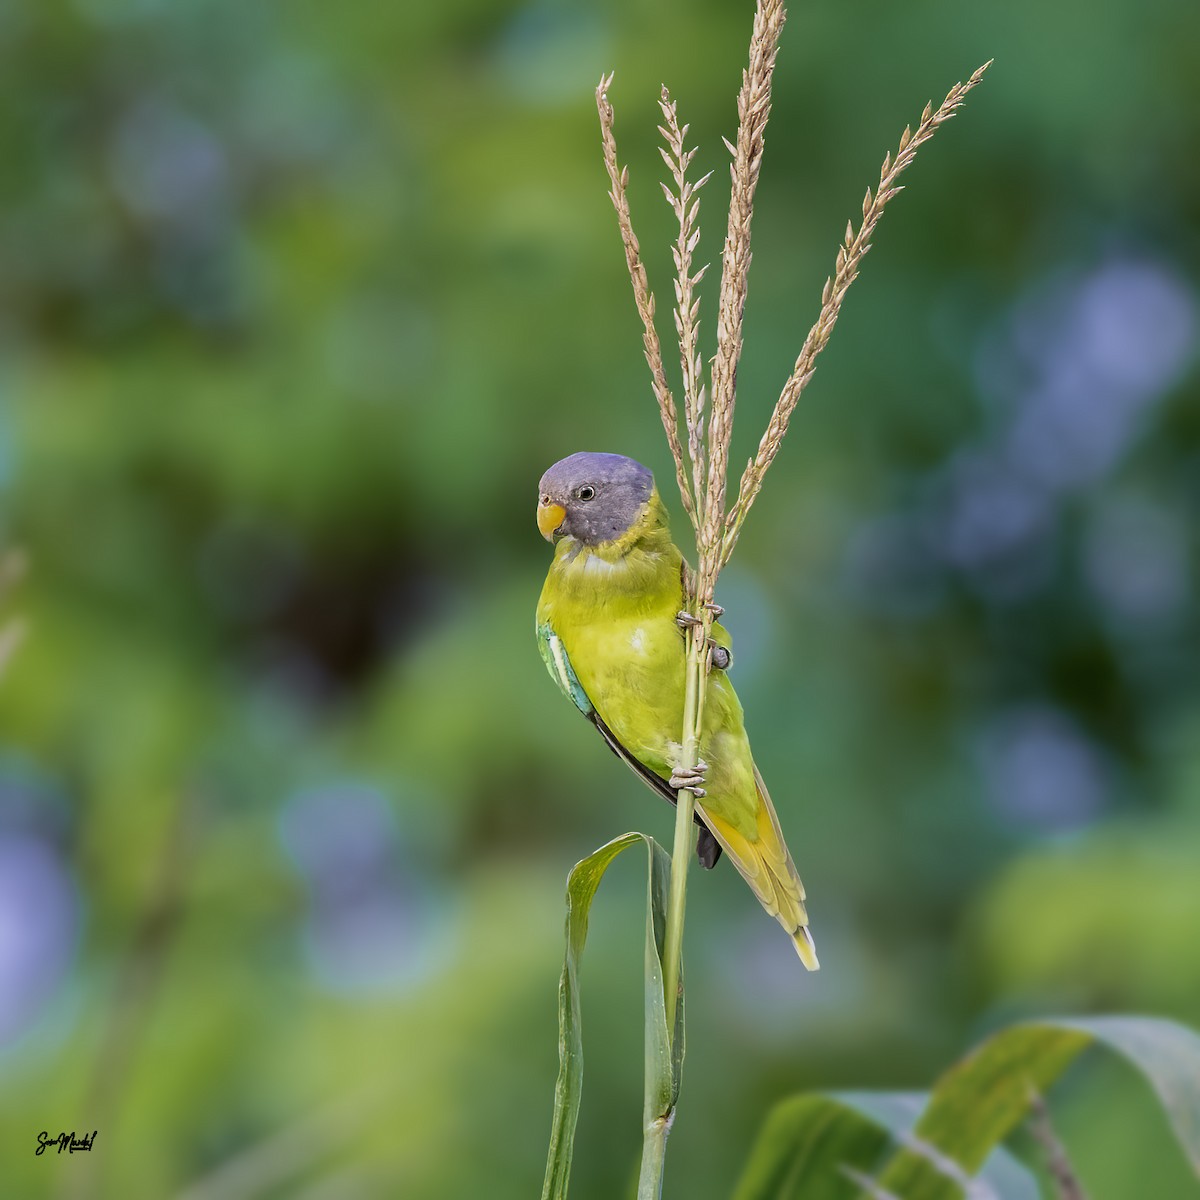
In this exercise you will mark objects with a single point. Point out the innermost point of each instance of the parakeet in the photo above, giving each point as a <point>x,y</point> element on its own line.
<point>609,629</point>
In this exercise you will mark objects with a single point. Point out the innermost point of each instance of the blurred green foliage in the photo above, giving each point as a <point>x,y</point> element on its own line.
<point>297,303</point>
<point>942,1144</point>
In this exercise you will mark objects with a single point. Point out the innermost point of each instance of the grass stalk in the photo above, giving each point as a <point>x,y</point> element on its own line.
<point>685,203</point>
<point>701,463</point>
<point>658,1126</point>
<point>695,685</point>
<point>654,1158</point>
<point>850,254</point>
<point>618,178</point>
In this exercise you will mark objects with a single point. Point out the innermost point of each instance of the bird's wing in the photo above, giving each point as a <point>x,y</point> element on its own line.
<point>558,663</point>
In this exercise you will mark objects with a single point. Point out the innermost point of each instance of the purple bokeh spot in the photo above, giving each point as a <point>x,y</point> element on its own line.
<point>1071,376</point>
<point>991,512</point>
<point>1041,769</point>
<point>375,919</point>
<point>39,922</point>
<point>168,167</point>
<point>1097,354</point>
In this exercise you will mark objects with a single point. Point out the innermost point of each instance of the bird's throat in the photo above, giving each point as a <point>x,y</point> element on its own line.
<point>636,566</point>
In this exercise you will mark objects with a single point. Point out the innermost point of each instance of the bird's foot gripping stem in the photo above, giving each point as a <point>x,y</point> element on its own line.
<point>685,620</point>
<point>690,778</point>
<point>718,656</point>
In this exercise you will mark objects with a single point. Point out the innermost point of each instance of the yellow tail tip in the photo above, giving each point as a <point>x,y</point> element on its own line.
<point>806,948</point>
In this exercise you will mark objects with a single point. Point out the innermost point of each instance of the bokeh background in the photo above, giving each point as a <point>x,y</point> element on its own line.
<point>297,301</point>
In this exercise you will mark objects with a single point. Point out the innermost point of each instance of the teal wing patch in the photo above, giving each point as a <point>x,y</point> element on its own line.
<point>558,663</point>
<point>554,655</point>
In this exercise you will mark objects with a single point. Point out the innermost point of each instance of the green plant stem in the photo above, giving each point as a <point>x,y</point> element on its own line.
<point>654,1154</point>
<point>658,1124</point>
<point>681,853</point>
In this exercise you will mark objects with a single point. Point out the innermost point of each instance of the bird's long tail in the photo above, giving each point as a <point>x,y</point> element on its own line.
<point>767,867</point>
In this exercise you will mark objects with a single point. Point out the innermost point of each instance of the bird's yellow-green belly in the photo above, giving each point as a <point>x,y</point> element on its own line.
<point>633,671</point>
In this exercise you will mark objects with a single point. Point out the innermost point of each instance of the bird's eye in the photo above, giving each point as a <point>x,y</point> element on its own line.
<point>587,492</point>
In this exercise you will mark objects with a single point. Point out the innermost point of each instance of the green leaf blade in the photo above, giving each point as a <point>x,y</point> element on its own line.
<point>803,1147</point>
<point>978,1103</point>
<point>664,1056</point>
<point>981,1099</point>
<point>1168,1056</point>
<point>828,1147</point>
<point>664,1053</point>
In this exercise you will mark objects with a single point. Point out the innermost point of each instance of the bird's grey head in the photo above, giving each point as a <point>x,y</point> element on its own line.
<point>592,497</point>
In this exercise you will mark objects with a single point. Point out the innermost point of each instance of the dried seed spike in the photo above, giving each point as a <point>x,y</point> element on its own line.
<point>687,211</point>
<point>643,297</point>
<point>849,257</point>
<point>730,147</point>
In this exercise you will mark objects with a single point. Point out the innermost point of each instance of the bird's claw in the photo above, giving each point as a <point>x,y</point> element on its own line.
<point>718,656</point>
<point>691,779</point>
<point>685,619</point>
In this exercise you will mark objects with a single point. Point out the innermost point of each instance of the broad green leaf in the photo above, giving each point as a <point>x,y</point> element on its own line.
<point>1003,1177</point>
<point>663,1063</point>
<point>980,1100</point>
<point>1168,1056</point>
<point>827,1147</point>
<point>804,1147</point>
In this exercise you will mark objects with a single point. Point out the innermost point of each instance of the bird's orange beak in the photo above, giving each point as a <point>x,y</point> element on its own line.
<point>549,517</point>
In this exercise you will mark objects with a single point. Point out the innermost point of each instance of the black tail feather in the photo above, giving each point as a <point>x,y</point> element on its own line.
<point>708,849</point>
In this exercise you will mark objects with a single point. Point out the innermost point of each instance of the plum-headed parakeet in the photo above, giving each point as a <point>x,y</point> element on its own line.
<point>609,629</point>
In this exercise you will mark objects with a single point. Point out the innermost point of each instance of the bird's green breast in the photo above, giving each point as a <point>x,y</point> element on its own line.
<point>616,621</point>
